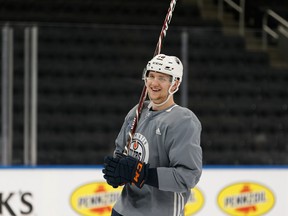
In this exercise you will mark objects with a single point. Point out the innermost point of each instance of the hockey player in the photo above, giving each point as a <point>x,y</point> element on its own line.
<point>164,160</point>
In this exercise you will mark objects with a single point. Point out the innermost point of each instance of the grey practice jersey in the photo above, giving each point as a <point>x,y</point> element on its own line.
<point>168,140</point>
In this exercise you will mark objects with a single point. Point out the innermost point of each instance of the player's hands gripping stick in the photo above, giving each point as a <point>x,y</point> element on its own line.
<point>119,171</point>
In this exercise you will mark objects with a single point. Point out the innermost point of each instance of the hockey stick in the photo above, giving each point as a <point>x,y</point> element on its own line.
<point>144,91</point>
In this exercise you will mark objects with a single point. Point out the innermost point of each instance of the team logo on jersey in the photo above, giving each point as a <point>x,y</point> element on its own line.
<point>139,148</point>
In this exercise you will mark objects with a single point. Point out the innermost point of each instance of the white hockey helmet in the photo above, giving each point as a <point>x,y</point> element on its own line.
<point>170,65</point>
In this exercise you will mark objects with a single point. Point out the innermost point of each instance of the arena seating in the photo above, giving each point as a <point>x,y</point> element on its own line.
<point>90,76</point>
<point>255,10</point>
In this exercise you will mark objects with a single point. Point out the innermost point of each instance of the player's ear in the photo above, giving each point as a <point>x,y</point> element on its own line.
<point>175,85</point>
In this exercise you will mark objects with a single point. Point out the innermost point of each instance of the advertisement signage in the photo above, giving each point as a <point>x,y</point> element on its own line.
<point>82,191</point>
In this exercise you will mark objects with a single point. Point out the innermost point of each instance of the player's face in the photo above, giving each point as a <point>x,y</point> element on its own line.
<point>158,85</point>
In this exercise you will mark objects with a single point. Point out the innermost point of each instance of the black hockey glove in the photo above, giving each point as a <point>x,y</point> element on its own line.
<point>119,171</point>
<point>110,164</point>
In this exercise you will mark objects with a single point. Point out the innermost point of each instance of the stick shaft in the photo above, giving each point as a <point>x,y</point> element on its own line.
<point>144,90</point>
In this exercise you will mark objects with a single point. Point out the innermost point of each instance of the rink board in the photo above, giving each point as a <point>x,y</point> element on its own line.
<point>76,191</point>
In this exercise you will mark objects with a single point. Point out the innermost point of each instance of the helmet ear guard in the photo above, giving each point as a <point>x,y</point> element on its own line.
<point>144,74</point>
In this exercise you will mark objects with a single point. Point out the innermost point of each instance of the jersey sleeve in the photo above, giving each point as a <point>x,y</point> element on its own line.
<point>185,156</point>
